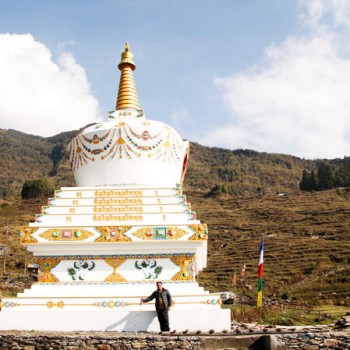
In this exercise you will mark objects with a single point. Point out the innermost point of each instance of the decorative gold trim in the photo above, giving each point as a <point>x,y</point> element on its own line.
<point>201,232</point>
<point>173,233</point>
<point>110,217</point>
<point>176,233</point>
<point>183,261</point>
<point>51,304</point>
<point>113,234</point>
<point>45,275</point>
<point>76,234</point>
<point>26,235</point>
<point>118,210</point>
<point>145,233</point>
<point>123,201</point>
<point>118,193</point>
<point>115,263</point>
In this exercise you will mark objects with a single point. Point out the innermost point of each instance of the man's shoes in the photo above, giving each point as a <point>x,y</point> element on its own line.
<point>165,333</point>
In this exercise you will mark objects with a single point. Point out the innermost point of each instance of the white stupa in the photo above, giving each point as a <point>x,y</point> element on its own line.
<point>102,245</point>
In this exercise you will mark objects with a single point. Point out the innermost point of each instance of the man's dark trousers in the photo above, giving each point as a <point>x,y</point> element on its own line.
<point>163,318</point>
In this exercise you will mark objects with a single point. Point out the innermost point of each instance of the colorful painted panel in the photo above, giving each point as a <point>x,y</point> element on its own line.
<point>116,268</point>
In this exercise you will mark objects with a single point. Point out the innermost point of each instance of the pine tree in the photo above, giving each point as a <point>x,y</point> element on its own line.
<point>313,185</point>
<point>342,176</point>
<point>325,177</point>
<point>308,181</point>
<point>303,185</point>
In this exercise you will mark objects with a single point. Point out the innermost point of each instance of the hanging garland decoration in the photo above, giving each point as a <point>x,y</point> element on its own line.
<point>169,150</point>
<point>77,156</point>
<point>96,139</point>
<point>129,143</point>
<point>140,141</point>
<point>79,150</point>
<point>145,135</point>
<point>120,147</point>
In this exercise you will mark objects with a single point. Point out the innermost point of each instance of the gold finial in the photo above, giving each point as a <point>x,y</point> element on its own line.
<point>127,58</point>
<point>127,94</point>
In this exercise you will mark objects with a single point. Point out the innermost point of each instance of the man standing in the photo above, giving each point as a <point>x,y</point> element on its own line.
<point>163,304</point>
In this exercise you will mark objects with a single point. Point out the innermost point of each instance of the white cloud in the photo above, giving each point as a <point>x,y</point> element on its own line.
<point>319,14</point>
<point>40,96</point>
<point>179,116</point>
<point>298,101</point>
<point>179,120</point>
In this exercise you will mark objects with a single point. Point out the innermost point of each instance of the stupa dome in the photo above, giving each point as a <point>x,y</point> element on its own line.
<point>128,149</point>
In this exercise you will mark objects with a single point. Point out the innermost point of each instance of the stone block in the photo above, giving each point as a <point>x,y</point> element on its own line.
<point>103,347</point>
<point>310,347</point>
<point>138,345</point>
<point>332,343</point>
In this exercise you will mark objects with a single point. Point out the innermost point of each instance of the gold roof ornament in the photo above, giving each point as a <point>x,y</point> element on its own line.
<point>127,94</point>
<point>127,57</point>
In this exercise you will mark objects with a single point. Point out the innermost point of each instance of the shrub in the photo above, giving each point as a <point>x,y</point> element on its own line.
<point>286,295</point>
<point>36,188</point>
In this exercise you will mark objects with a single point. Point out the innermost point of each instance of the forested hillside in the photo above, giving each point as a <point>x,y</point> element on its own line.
<point>243,172</point>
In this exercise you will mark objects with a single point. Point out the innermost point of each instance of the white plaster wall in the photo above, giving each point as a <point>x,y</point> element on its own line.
<point>112,320</point>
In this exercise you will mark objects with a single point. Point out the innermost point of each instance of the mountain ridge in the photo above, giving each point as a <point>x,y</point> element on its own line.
<point>245,171</point>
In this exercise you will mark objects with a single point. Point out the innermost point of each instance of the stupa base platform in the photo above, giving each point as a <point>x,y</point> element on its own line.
<point>139,320</point>
<point>111,307</point>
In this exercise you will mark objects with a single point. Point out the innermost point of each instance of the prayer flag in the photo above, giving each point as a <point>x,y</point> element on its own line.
<point>260,273</point>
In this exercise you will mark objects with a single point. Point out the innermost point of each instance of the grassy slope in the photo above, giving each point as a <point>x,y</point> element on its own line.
<point>307,243</point>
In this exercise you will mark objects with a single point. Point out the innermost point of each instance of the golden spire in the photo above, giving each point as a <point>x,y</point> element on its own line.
<point>127,94</point>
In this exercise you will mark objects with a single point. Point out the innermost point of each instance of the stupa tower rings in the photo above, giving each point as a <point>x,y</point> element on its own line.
<point>127,94</point>
<point>128,149</point>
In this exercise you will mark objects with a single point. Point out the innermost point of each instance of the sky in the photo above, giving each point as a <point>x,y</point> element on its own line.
<point>272,75</point>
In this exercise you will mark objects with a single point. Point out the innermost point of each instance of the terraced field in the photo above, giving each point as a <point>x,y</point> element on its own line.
<point>307,244</point>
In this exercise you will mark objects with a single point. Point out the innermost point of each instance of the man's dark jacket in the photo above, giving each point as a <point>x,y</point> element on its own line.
<point>165,295</point>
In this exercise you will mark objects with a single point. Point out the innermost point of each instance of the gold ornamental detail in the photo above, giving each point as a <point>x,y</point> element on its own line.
<point>113,234</point>
<point>115,263</point>
<point>66,234</point>
<point>46,265</point>
<point>112,209</point>
<point>176,233</point>
<point>110,217</point>
<point>113,201</point>
<point>51,304</point>
<point>114,193</point>
<point>145,233</point>
<point>185,262</point>
<point>201,232</point>
<point>26,235</point>
<point>172,233</point>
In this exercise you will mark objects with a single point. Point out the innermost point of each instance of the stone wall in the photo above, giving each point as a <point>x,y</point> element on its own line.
<point>36,341</point>
<point>311,341</point>
<point>118,341</point>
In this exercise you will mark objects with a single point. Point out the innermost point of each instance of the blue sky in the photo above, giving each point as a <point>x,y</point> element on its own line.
<point>268,75</point>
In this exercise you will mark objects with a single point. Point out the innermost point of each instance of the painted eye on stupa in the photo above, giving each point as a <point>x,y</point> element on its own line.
<point>145,136</point>
<point>95,139</point>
